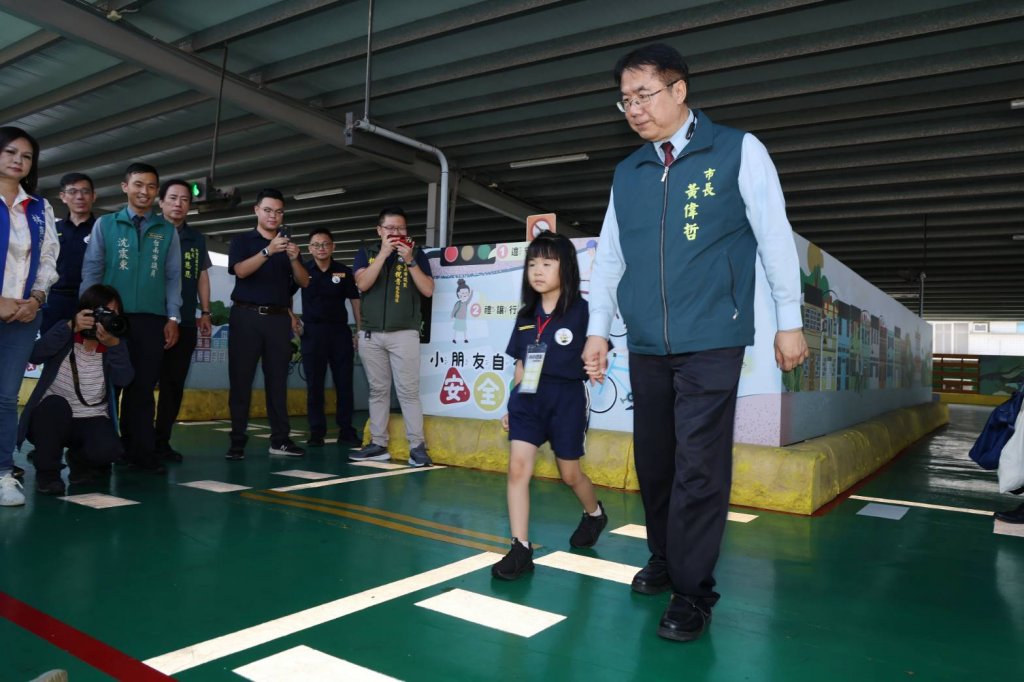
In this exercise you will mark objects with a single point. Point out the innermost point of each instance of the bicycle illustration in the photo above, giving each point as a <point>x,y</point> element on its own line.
<point>616,380</point>
<point>295,362</point>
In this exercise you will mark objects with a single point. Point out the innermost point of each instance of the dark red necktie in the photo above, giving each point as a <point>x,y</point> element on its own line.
<point>667,148</point>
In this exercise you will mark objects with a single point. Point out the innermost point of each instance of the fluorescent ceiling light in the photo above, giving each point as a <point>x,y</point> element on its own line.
<point>1018,237</point>
<point>320,193</point>
<point>549,161</point>
<point>1017,103</point>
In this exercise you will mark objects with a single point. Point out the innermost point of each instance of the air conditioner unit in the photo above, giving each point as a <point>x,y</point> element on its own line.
<point>979,327</point>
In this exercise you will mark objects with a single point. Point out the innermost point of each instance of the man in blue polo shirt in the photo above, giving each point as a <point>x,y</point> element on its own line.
<point>77,193</point>
<point>266,265</point>
<point>326,337</point>
<point>175,202</point>
<point>138,253</point>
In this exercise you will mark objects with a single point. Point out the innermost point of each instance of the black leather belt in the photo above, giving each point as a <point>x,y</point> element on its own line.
<point>263,309</point>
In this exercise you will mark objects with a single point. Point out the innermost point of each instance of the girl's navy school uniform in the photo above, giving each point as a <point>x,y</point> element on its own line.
<point>559,411</point>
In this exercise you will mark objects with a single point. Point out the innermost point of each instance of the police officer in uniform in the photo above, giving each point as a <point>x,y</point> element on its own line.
<point>326,338</point>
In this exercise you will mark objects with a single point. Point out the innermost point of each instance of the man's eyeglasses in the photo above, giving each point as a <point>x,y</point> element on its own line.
<point>74,191</point>
<point>320,245</point>
<point>271,212</point>
<point>641,100</point>
<point>393,228</point>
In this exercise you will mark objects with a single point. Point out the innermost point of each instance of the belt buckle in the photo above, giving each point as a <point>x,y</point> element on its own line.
<point>263,309</point>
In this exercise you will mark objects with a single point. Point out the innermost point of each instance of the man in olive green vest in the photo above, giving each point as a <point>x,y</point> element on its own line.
<point>392,277</point>
<point>137,252</point>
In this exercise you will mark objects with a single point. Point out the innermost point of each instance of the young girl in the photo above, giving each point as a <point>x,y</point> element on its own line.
<point>549,401</point>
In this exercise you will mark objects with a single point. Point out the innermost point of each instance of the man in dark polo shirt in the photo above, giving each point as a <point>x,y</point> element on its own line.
<point>77,193</point>
<point>327,339</point>
<point>175,202</point>
<point>265,264</point>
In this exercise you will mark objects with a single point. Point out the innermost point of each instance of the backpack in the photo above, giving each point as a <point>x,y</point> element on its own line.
<point>997,432</point>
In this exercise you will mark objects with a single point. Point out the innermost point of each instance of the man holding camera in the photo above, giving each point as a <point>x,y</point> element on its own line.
<point>72,403</point>
<point>265,263</point>
<point>393,277</point>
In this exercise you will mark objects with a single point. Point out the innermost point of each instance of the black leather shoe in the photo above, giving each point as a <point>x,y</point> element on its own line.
<point>1012,515</point>
<point>50,487</point>
<point>315,441</point>
<point>683,620</point>
<point>170,455</point>
<point>652,578</point>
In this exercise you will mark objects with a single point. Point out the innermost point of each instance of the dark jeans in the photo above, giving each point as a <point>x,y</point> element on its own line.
<point>146,349</point>
<point>254,338</point>
<point>173,370</point>
<point>53,428</point>
<point>684,407</point>
<point>323,346</point>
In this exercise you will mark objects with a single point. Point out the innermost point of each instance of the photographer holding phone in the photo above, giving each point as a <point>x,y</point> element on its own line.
<point>72,404</point>
<point>266,265</point>
<point>393,277</point>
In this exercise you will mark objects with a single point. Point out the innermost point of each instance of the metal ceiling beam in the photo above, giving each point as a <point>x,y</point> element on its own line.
<point>85,25</point>
<point>439,25</point>
<point>27,46</point>
<point>263,19</point>
<point>69,91</point>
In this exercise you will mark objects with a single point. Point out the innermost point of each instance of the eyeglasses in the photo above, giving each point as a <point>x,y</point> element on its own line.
<point>642,100</point>
<point>74,192</point>
<point>393,228</point>
<point>321,245</point>
<point>270,211</point>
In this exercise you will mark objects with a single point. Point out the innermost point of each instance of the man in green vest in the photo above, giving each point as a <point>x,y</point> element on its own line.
<point>137,252</point>
<point>689,211</point>
<point>393,277</point>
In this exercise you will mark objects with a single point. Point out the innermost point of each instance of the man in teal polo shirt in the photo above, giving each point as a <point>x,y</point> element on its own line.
<point>687,216</point>
<point>137,252</point>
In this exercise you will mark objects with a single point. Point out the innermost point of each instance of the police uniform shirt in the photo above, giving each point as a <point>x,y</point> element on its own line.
<point>323,301</point>
<point>74,239</point>
<point>564,336</point>
<point>271,284</point>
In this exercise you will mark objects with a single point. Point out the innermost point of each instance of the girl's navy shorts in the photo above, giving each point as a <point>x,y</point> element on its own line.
<point>558,413</point>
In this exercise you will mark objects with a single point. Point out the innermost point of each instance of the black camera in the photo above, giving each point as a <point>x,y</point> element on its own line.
<point>115,324</point>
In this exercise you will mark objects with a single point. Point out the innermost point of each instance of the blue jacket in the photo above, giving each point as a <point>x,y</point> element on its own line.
<point>51,349</point>
<point>689,228</point>
<point>997,432</point>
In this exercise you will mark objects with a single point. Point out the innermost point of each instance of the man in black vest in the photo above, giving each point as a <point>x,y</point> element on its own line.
<point>265,263</point>
<point>175,202</point>
<point>78,194</point>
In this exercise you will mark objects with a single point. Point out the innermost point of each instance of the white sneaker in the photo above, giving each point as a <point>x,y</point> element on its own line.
<point>10,492</point>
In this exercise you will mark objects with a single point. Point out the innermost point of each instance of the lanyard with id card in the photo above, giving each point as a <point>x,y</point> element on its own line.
<point>534,363</point>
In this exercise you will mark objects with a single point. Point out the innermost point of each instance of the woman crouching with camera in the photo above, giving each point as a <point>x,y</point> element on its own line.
<point>72,405</point>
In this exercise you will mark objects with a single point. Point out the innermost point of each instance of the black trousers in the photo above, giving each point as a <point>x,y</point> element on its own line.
<point>252,339</point>
<point>146,349</point>
<point>323,346</point>
<point>173,370</point>
<point>52,428</point>
<point>684,408</point>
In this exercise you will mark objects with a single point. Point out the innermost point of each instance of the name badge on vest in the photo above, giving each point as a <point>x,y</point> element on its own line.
<point>535,353</point>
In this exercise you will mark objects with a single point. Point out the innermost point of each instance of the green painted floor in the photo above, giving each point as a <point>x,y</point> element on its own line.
<point>841,596</point>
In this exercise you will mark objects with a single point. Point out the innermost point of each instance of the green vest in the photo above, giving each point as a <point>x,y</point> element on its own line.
<point>393,303</point>
<point>136,270</point>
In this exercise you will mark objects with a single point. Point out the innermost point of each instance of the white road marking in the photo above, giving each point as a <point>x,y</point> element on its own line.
<point>380,465</point>
<point>1004,528</point>
<point>308,475</point>
<point>99,500</point>
<point>923,505</point>
<point>211,650</point>
<point>494,613</point>
<point>585,565</point>
<point>215,486</point>
<point>309,665</point>
<point>352,479</point>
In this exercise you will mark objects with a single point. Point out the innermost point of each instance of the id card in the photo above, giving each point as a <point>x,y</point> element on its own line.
<point>535,353</point>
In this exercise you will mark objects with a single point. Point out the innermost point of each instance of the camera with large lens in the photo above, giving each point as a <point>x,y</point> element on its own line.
<point>115,324</point>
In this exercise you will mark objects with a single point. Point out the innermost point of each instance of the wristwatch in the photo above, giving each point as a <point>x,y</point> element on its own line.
<point>174,320</point>
<point>265,252</point>
<point>411,264</point>
<point>205,312</point>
